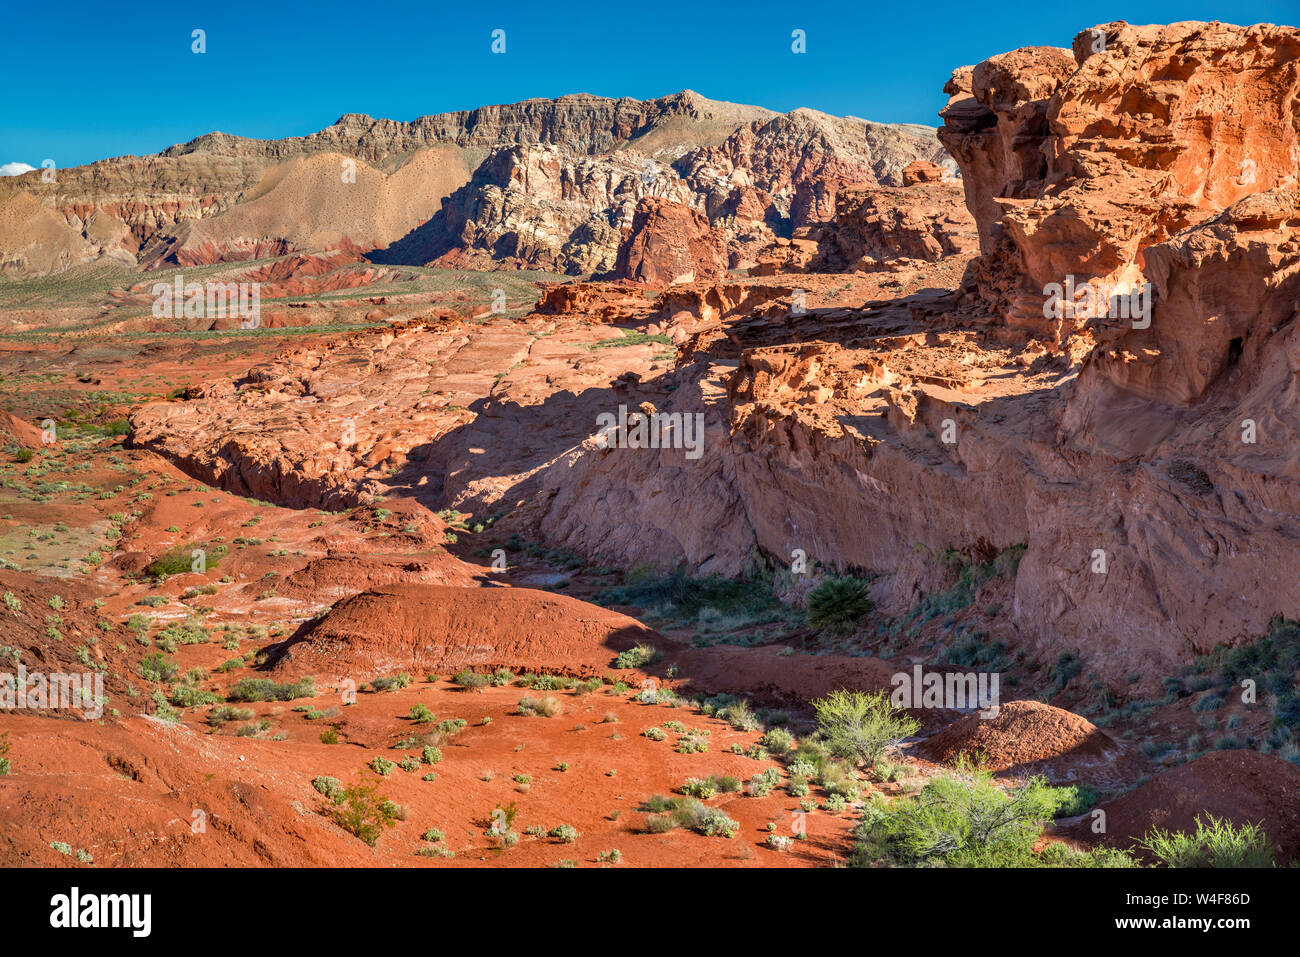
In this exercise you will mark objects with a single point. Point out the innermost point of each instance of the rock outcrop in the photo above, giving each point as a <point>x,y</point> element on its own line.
<point>1076,162</point>
<point>668,244</point>
<point>875,224</point>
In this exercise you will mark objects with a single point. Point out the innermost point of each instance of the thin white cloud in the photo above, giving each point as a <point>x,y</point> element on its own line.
<point>15,169</point>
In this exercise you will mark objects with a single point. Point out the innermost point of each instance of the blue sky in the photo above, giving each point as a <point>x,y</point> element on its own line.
<point>90,80</point>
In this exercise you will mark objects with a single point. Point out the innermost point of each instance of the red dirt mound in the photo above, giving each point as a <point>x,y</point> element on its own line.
<point>1242,786</point>
<point>417,627</point>
<point>14,431</point>
<point>1023,733</point>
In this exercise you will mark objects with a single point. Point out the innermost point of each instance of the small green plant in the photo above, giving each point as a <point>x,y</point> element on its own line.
<point>778,741</point>
<point>471,680</point>
<point>565,833</point>
<point>328,786</point>
<point>391,682</point>
<point>637,657</point>
<point>363,812</point>
<point>545,707</point>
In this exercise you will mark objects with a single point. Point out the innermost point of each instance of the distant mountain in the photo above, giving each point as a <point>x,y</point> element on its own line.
<point>542,183</point>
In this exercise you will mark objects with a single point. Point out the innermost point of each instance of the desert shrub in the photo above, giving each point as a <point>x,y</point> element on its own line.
<point>612,856</point>
<point>219,716</point>
<point>391,682</point>
<point>328,786</point>
<point>254,729</point>
<point>860,726</point>
<point>430,755</point>
<point>565,833</point>
<point>687,812</point>
<point>382,766</point>
<point>797,787</point>
<point>179,560</point>
<point>6,764</point>
<point>409,764</point>
<point>778,843</point>
<point>360,810</point>
<point>1217,842</point>
<point>547,707</point>
<point>702,788</point>
<point>778,741</point>
<point>741,716</point>
<point>471,680</point>
<point>265,689</point>
<point>959,821</point>
<point>838,602</point>
<point>157,668</point>
<point>694,741</point>
<point>637,657</point>
<point>1067,667</point>
<point>421,714</point>
<point>190,696</point>
<point>329,736</point>
<point>1075,799</point>
<point>655,734</point>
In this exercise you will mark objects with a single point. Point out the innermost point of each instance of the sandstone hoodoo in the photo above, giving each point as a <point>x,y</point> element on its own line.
<point>594,470</point>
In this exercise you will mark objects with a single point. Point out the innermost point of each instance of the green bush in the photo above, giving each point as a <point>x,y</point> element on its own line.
<point>470,680</point>
<point>637,657</point>
<point>1217,842</point>
<point>328,786</point>
<point>958,821</point>
<point>391,682</point>
<point>547,707</point>
<point>1075,799</point>
<point>778,741</point>
<point>157,668</point>
<point>361,811</point>
<point>565,833</point>
<point>860,726</point>
<point>838,602</point>
<point>264,689</point>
